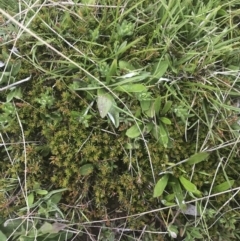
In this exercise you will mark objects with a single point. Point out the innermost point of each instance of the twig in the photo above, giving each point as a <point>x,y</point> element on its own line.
<point>16,83</point>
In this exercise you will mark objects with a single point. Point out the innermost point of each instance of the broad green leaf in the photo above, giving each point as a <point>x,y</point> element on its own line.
<point>165,120</point>
<point>133,131</point>
<point>9,225</point>
<point>41,192</point>
<point>150,112</point>
<point>30,199</point>
<point>104,102</point>
<point>166,107</point>
<point>189,186</point>
<point>56,198</point>
<point>132,88</point>
<point>223,186</point>
<point>160,68</point>
<point>163,135</point>
<point>197,157</point>
<point>160,186</point>
<point>145,104</point>
<point>178,193</point>
<point>148,127</point>
<point>86,169</point>
<point>2,236</point>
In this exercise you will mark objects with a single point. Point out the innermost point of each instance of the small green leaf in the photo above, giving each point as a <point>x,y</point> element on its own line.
<point>15,93</point>
<point>166,107</point>
<point>131,77</point>
<point>160,68</point>
<point>195,233</point>
<point>170,197</point>
<point>86,169</point>
<point>15,68</point>
<point>113,115</point>
<point>178,193</point>
<point>150,112</point>
<point>157,105</point>
<point>160,186</point>
<point>41,192</point>
<point>112,71</point>
<point>155,132</point>
<point>124,46</point>
<point>132,88</point>
<point>133,131</point>
<point>166,203</point>
<point>165,120</point>
<point>163,135</point>
<point>104,102</point>
<point>148,127</point>
<point>173,231</point>
<point>30,199</point>
<point>125,65</point>
<point>36,185</point>
<point>197,157</point>
<point>223,186</point>
<point>189,186</point>
<point>56,198</point>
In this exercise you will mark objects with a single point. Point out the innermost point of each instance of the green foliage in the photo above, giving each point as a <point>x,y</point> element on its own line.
<point>20,228</point>
<point>124,92</point>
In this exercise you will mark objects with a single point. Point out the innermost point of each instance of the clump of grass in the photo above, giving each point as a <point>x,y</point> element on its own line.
<point>119,120</point>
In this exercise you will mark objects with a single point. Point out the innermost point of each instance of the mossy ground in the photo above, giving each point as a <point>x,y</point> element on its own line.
<point>68,144</point>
